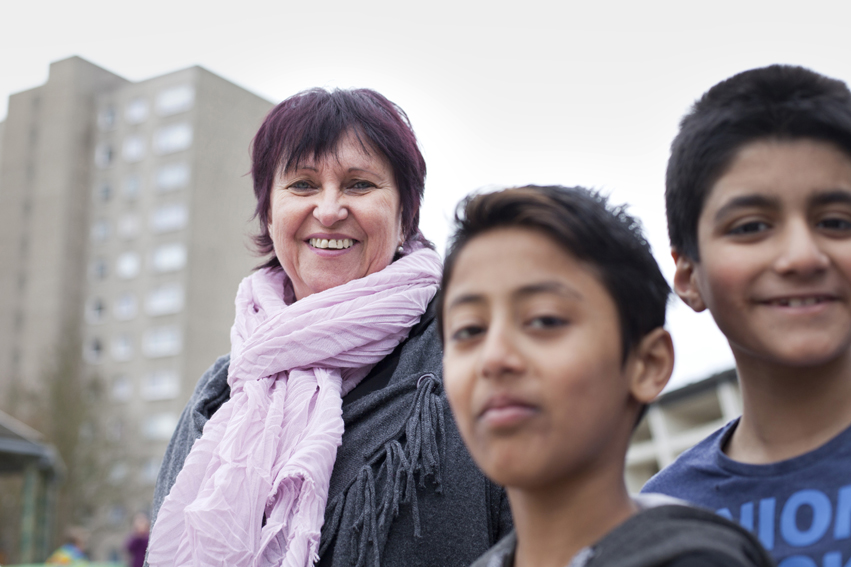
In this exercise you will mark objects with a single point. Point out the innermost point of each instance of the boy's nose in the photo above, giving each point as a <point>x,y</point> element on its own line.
<point>330,209</point>
<point>500,355</point>
<point>801,251</point>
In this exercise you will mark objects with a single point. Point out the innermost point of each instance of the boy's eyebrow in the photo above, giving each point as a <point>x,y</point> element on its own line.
<point>747,201</point>
<point>548,287</point>
<point>531,289</point>
<point>465,299</point>
<point>830,197</point>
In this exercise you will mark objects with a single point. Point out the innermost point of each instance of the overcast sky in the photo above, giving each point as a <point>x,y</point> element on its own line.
<point>586,93</point>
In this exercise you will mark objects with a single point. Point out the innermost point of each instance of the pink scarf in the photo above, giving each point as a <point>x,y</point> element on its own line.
<point>270,449</point>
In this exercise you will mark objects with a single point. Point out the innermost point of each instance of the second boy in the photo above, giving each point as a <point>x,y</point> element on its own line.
<point>759,212</point>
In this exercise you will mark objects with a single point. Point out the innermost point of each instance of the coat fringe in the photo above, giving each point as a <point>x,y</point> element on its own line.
<point>415,451</point>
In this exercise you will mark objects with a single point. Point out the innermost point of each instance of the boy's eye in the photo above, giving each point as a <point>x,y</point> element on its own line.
<point>748,227</point>
<point>835,223</point>
<point>546,322</point>
<point>467,333</point>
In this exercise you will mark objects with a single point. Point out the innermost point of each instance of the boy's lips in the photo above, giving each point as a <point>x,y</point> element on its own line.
<point>506,410</point>
<point>799,302</point>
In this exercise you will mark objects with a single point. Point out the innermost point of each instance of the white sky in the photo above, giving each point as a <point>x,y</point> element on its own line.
<point>563,92</point>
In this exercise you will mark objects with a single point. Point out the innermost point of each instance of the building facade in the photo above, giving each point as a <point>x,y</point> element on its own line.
<point>125,229</point>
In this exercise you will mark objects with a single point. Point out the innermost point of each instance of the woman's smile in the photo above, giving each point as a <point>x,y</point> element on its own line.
<point>332,243</point>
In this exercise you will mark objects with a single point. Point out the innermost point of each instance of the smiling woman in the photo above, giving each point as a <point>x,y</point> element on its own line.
<point>325,437</point>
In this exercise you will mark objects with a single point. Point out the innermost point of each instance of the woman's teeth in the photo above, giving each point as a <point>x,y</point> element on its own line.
<point>336,244</point>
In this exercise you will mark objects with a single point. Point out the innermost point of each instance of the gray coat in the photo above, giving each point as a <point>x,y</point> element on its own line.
<point>404,490</point>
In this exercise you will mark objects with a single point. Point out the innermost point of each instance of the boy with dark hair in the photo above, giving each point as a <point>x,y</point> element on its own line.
<point>552,315</point>
<point>759,214</point>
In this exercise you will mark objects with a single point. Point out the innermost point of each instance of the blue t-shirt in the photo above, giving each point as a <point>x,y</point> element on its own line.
<point>799,508</point>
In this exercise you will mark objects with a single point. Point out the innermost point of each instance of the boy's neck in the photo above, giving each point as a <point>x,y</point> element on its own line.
<point>554,523</point>
<point>789,411</point>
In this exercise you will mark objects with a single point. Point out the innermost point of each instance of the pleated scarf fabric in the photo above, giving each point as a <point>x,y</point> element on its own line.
<point>269,451</point>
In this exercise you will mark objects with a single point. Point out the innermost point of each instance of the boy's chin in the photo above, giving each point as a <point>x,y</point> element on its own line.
<point>527,475</point>
<point>801,355</point>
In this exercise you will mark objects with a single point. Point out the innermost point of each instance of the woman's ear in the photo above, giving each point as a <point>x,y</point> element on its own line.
<point>685,281</point>
<point>652,364</point>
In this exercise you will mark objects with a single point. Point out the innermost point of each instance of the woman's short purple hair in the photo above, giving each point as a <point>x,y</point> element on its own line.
<point>310,125</point>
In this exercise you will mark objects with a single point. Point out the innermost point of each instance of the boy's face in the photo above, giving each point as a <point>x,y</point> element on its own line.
<point>532,361</point>
<point>775,254</point>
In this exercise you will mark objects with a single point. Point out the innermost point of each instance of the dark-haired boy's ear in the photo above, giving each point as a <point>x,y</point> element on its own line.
<point>685,284</point>
<point>652,363</point>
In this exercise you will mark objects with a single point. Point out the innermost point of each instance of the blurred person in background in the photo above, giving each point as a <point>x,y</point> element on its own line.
<point>137,542</point>
<point>73,550</point>
<point>325,436</point>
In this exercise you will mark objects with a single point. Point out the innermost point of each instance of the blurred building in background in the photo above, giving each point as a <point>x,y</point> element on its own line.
<point>678,420</point>
<point>124,232</point>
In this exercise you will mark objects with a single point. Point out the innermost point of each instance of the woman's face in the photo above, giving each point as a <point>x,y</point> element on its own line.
<point>336,219</point>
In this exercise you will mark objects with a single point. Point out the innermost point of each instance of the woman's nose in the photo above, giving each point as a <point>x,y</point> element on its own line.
<point>801,251</point>
<point>330,209</point>
<point>501,355</point>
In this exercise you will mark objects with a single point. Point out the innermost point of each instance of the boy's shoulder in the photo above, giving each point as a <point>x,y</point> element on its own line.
<point>767,498</point>
<point>669,534</point>
<point>685,478</point>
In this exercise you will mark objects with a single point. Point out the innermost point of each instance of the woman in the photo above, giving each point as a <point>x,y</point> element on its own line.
<point>334,344</point>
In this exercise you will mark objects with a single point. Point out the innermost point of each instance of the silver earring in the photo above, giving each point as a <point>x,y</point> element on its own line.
<point>400,249</point>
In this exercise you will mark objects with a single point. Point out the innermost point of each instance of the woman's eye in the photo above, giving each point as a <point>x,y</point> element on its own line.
<point>547,322</point>
<point>467,333</point>
<point>362,185</point>
<point>748,227</point>
<point>300,186</point>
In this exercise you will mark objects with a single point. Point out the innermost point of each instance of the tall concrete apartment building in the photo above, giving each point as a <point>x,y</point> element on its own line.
<point>124,232</point>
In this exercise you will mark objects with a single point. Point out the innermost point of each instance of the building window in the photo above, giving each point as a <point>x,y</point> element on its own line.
<point>126,306</point>
<point>159,427</point>
<point>136,111</point>
<point>122,388</point>
<point>168,218</point>
<point>171,177</point>
<point>164,300</point>
<point>132,186</point>
<point>122,348</point>
<point>161,385</point>
<point>95,310</point>
<point>103,192</point>
<point>104,155</point>
<point>128,265</point>
<point>99,269</point>
<point>100,230</point>
<point>175,100</point>
<point>169,257</point>
<point>162,341</point>
<point>93,351</point>
<point>106,118</point>
<point>128,226</point>
<point>172,138</point>
<point>150,470</point>
<point>133,149</point>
